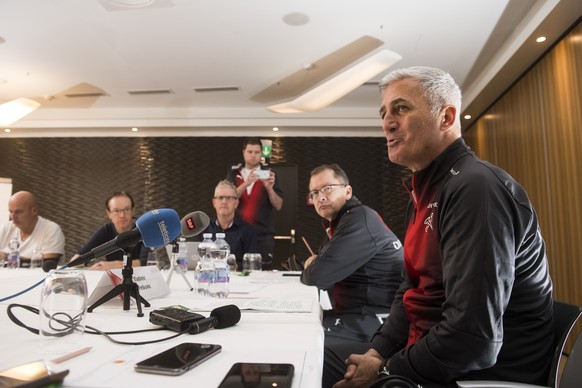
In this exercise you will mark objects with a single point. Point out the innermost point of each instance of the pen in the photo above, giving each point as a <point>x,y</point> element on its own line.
<point>74,354</point>
<point>307,245</point>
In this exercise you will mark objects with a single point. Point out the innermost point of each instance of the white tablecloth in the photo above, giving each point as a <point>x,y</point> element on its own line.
<point>295,338</point>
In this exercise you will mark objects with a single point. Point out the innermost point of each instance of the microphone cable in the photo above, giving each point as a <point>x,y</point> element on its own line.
<point>92,330</point>
<point>29,288</point>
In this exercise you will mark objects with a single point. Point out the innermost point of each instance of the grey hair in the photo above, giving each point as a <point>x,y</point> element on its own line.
<point>227,184</point>
<point>438,86</point>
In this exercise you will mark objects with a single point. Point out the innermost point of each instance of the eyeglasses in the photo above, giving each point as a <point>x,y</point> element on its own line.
<point>325,190</point>
<point>226,198</point>
<point>117,212</point>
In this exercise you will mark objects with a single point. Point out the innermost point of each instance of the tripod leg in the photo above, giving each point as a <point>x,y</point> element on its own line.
<point>117,290</point>
<point>179,269</point>
<point>138,299</point>
<point>170,273</point>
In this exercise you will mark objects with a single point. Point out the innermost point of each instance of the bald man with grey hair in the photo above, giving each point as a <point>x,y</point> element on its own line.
<point>32,231</point>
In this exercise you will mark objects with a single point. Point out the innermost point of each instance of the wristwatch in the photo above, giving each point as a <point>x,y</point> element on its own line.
<point>383,370</point>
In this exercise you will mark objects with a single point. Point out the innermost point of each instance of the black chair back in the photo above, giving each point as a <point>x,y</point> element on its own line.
<point>565,316</point>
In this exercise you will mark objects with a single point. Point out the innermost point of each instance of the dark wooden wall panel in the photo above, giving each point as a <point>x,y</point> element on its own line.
<point>71,177</point>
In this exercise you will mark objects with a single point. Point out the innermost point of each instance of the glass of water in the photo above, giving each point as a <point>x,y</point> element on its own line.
<point>63,306</point>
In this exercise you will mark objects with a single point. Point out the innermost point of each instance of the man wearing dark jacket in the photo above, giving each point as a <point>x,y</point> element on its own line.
<point>359,261</point>
<point>476,300</point>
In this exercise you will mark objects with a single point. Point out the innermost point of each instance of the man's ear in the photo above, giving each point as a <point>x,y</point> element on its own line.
<point>449,116</point>
<point>348,192</point>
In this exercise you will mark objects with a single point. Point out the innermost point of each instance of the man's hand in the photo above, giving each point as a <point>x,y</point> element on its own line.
<point>309,261</point>
<point>103,265</point>
<point>362,370</point>
<point>270,181</point>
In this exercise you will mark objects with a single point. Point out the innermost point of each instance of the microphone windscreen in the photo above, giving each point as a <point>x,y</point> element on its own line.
<point>226,316</point>
<point>48,265</point>
<point>194,223</point>
<point>159,227</point>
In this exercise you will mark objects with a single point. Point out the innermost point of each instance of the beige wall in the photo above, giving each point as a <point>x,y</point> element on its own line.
<point>535,133</point>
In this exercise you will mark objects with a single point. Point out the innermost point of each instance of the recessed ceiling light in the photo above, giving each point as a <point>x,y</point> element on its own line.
<point>134,129</point>
<point>7,130</point>
<point>467,117</point>
<point>540,39</point>
<point>275,129</point>
<point>296,19</point>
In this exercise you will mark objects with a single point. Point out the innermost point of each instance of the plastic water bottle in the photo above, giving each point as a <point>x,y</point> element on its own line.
<point>182,259</point>
<point>221,286</point>
<point>205,269</point>
<point>13,260</point>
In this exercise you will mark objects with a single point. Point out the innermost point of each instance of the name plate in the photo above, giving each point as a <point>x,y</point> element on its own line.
<point>149,280</point>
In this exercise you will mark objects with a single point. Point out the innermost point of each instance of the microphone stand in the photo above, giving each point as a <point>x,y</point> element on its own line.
<point>174,267</point>
<point>127,289</point>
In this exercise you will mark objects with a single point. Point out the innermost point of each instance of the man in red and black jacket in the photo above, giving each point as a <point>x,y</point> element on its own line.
<point>259,193</point>
<point>476,300</point>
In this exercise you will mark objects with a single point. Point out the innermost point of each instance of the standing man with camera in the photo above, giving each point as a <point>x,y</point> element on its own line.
<point>259,193</point>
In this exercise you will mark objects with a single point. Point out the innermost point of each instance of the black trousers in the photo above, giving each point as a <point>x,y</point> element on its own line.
<point>345,334</point>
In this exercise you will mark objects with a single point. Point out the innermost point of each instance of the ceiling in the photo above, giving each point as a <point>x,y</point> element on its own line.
<point>101,67</point>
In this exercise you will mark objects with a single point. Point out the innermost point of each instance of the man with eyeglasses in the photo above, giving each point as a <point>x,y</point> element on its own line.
<point>239,235</point>
<point>33,231</point>
<point>258,195</point>
<point>359,261</point>
<point>119,208</point>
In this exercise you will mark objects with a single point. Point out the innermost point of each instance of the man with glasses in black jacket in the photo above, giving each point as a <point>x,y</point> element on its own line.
<point>359,261</point>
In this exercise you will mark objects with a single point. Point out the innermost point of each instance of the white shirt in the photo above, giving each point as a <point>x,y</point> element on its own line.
<point>47,236</point>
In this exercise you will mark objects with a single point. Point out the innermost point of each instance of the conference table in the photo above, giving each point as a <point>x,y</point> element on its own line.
<point>261,336</point>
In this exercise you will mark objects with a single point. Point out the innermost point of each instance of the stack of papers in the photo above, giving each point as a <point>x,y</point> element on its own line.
<point>260,304</point>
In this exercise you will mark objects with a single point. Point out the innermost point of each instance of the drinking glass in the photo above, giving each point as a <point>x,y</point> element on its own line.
<point>36,259</point>
<point>63,306</point>
<point>153,258</point>
<point>252,262</point>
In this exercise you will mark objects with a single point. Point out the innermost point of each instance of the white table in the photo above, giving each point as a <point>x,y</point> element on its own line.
<point>295,338</point>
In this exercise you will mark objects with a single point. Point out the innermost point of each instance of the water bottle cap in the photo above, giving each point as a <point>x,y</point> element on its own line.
<point>207,235</point>
<point>182,239</point>
<point>220,235</point>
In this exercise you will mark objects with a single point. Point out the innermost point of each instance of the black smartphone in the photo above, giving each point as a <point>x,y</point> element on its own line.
<point>33,374</point>
<point>249,374</point>
<point>179,359</point>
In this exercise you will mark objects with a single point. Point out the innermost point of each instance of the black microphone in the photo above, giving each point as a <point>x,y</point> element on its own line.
<point>219,318</point>
<point>48,265</point>
<point>156,228</point>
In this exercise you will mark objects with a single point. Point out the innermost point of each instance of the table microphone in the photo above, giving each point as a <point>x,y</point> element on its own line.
<point>194,223</point>
<point>219,318</point>
<point>48,265</point>
<point>155,228</point>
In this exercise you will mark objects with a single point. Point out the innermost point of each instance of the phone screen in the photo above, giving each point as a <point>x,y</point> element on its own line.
<point>248,374</point>
<point>178,359</point>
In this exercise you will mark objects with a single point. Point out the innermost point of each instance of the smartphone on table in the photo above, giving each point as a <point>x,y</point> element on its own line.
<point>179,359</point>
<point>250,374</point>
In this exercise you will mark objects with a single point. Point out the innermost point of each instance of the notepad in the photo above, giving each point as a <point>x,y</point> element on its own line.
<point>259,304</point>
